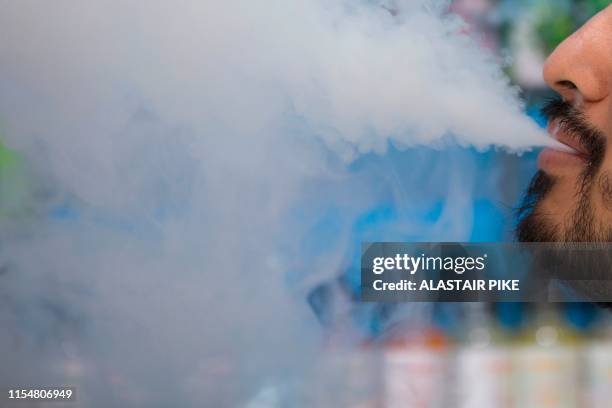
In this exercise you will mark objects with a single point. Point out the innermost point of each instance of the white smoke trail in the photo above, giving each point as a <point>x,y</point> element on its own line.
<point>175,138</point>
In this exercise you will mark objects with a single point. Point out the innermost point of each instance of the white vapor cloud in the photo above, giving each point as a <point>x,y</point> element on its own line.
<point>175,139</point>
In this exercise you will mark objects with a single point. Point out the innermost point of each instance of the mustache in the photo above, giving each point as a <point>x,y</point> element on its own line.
<point>572,121</point>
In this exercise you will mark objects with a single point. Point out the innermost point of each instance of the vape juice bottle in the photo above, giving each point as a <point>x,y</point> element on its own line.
<point>597,355</point>
<point>483,362</point>
<point>416,370</point>
<point>348,373</point>
<point>546,364</point>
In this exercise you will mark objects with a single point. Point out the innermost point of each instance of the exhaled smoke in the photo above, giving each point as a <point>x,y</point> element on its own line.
<point>175,143</point>
<point>353,73</point>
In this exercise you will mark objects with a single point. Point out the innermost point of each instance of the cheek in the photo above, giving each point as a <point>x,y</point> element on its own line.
<point>604,186</point>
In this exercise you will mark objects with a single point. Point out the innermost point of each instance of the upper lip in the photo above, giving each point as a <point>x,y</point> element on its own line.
<point>556,130</point>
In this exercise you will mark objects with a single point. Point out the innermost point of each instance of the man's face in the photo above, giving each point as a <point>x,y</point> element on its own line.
<point>570,198</point>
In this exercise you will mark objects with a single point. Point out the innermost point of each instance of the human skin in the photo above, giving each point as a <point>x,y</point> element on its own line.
<point>580,71</point>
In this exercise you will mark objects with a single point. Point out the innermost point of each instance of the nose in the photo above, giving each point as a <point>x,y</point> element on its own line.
<point>581,66</point>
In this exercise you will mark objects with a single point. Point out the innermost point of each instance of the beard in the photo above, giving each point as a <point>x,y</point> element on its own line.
<point>580,256</point>
<point>582,226</point>
<point>534,226</point>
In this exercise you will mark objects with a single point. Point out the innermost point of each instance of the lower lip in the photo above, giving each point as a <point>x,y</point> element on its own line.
<point>550,159</point>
